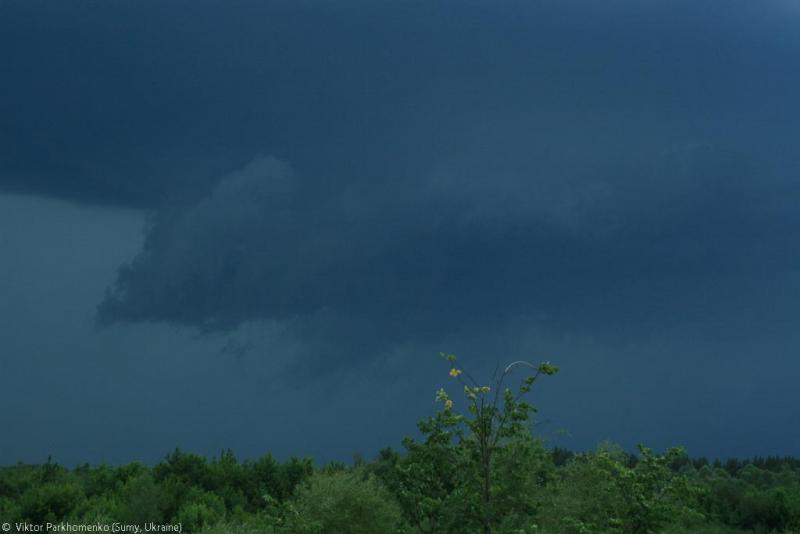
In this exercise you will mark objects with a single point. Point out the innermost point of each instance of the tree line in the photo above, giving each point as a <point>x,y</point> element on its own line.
<point>475,467</point>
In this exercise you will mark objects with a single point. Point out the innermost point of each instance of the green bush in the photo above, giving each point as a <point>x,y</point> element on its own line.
<point>352,502</point>
<point>50,502</point>
<point>200,509</point>
<point>141,500</point>
<point>599,492</point>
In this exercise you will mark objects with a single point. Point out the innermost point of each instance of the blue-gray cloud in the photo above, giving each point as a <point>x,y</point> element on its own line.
<point>433,166</point>
<point>116,104</point>
<point>355,185</point>
<point>373,265</point>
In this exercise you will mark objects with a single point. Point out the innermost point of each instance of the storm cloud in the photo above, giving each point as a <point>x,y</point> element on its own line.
<point>555,160</point>
<point>382,264</point>
<point>349,184</point>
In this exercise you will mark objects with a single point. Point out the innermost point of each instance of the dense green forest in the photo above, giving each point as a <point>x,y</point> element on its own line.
<point>476,469</point>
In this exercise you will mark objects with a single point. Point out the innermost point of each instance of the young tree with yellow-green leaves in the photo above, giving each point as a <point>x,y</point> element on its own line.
<point>450,476</point>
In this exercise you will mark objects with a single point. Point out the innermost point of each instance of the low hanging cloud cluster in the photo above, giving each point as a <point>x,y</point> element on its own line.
<point>368,265</point>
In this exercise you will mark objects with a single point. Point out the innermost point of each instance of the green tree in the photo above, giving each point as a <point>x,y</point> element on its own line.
<point>50,502</point>
<point>199,509</point>
<point>142,500</point>
<point>337,501</point>
<point>601,492</point>
<point>449,478</point>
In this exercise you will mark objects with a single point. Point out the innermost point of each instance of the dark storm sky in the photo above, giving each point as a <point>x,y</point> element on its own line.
<point>254,224</point>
